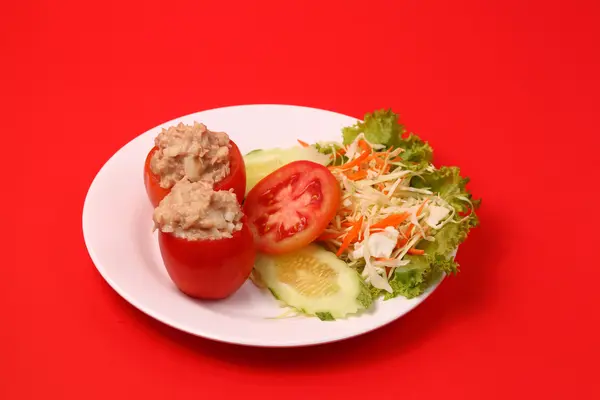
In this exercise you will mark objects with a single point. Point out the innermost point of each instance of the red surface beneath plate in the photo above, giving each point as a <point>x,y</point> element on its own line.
<point>508,90</point>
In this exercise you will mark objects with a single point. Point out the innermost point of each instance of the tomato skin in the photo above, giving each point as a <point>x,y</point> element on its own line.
<point>236,179</point>
<point>303,174</point>
<point>152,182</point>
<point>208,269</point>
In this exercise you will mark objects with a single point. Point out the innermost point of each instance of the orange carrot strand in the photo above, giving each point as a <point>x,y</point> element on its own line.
<point>416,252</point>
<point>401,243</point>
<point>420,210</point>
<point>362,157</point>
<point>350,236</point>
<point>357,175</point>
<point>390,220</point>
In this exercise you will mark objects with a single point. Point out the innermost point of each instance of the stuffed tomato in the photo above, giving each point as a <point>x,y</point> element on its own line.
<point>205,243</point>
<point>194,152</point>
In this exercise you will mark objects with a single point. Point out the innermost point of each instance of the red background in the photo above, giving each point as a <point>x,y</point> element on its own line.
<point>508,90</point>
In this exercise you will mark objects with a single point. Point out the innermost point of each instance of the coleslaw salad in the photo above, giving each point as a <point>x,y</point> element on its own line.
<point>401,218</point>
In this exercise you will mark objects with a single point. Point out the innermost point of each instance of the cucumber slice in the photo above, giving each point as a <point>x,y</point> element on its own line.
<point>260,163</point>
<point>315,282</point>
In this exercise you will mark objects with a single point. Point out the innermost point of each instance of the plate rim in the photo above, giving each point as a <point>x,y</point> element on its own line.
<point>165,319</point>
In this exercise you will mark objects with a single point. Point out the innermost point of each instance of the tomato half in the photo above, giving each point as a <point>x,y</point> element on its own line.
<point>236,179</point>
<point>208,269</point>
<point>292,206</point>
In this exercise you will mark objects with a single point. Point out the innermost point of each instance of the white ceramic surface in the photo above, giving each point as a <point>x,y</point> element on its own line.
<point>117,228</point>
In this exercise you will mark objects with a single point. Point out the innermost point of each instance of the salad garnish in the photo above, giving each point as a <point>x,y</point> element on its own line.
<point>401,217</point>
<point>393,230</point>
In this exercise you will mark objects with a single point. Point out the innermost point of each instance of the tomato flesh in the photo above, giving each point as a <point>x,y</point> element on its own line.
<point>208,269</point>
<point>236,179</point>
<point>292,218</point>
<point>292,206</point>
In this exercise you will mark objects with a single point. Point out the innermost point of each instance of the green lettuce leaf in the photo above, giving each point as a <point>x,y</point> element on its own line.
<point>328,148</point>
<point>450,236</point>
<point>412,280</point>
<point>450,185</point>
<point>383,127</point>
<point>417,154</point>
<point>380,126</point>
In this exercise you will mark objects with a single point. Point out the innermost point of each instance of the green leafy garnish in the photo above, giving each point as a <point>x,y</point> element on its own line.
<point>424,270</point>
<point>380,127</point>
<point>417,154</point>
<point>450,236</point>
<point>325,316</point>
<point>331,148</point>
<point>450,185</point>
<point>412,280</point>
<point>383,127</point>
<point>327,147</point>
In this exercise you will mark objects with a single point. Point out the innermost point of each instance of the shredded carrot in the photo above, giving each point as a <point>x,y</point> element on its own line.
<point>409,230</point>
<point>416,252</point>
<point>364,145</point>
<point>401,243</point>
<point>362,157</point>
<point>350,236</point>
<point>356,162</point>
<point>362,174</point>
<point>391,220</point>
<point>411,226</point>
<point>420,210</point>
<point>340,152</point>
<point>302,143</point>
<point>378,161</point>
<point>381,186</point>
<point>347,224</point>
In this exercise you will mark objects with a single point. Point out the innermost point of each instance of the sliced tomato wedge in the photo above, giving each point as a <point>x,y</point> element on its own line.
<point>292,206</point>
<point>236,179</point>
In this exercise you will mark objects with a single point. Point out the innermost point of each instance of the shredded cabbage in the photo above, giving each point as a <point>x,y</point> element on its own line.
<point>392,195</point>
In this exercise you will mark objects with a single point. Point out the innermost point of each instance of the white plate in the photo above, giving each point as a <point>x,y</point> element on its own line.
<point>117,228</point>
